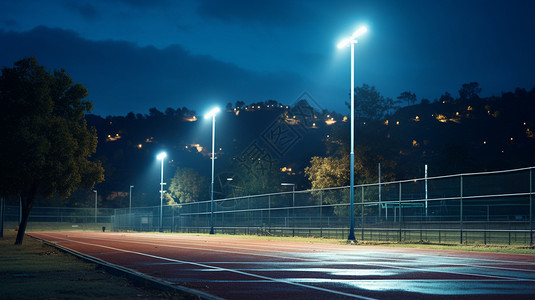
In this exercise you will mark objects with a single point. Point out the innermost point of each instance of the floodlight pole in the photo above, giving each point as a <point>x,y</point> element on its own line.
<point>352,41</point>
<point>212,114</point>
<point>161,156</point>
<point>212,184</point>
<point>161,200</point>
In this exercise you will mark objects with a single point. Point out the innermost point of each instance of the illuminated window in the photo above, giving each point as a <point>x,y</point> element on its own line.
<point>386,122</point>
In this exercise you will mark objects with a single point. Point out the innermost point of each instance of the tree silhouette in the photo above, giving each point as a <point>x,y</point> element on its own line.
<point>45,139</point>
<point>469,91</point>
<point>407,96</point>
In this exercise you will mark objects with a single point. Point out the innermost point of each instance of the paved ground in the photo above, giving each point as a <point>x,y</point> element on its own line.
<point>237,268</point>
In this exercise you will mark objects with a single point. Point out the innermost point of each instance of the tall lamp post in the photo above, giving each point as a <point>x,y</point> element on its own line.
<point>161,156</point>
<point>351,41</point>
<point>96,197</point>
<point>293,204</point>
<point>212,114</point>
<point>130,207</point>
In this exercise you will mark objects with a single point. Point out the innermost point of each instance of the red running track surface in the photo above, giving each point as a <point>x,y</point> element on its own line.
<point>243,268</point>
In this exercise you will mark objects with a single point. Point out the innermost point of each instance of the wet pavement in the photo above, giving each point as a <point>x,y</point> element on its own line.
<point>240,268</point>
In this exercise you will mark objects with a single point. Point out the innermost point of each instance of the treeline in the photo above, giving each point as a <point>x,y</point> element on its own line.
<point>450,134</point>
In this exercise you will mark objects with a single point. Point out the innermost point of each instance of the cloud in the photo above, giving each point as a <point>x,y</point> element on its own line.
<point>123,77</point>
<point>265,12</point>
<point>86,10</point>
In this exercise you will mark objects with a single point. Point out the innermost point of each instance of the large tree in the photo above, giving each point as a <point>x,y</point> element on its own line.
<point>46,143</point>
<point>188,186</point>
<point>369,103</point>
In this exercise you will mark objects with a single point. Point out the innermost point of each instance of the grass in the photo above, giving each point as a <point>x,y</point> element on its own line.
<point>491,248</point>
<point>34,270</point>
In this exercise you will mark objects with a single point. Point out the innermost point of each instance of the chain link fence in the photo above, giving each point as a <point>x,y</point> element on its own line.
<point>59,218</point>
<point>482,208</point>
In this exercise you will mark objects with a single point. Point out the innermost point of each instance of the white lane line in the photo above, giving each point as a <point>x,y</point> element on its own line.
<point>339,248</point>
<point>227,270</point>
<point>387,265</point>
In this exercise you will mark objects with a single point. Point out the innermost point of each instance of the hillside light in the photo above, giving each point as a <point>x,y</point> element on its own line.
<point>211,114</point>
<point>351,41</point>
<point>161,156</point>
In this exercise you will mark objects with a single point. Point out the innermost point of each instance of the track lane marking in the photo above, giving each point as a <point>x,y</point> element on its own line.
<point>226,269</point>
<point>321,261</point>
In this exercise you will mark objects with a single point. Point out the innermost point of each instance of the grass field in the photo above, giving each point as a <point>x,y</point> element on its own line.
<point>37,271</point>
<point>493,248</point>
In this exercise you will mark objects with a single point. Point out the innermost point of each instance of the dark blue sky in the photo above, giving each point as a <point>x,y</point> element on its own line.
<point>135,54</point>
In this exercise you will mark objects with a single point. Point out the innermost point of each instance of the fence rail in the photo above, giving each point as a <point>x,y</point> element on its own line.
<point>488,207</point>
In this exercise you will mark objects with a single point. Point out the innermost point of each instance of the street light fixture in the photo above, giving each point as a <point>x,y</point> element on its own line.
<point>161,156</point>
<point>96,197</point>
<point>352,40</point>
<point>211,114</point>
<point>293,203</point>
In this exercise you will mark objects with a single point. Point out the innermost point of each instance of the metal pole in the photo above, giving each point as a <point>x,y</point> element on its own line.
<point>531,207</point>
<point>426,192</point>
<point>461,211</point>
<point>130,207</point>
<point>96,197</point>
<point>362,212</point>
<point>212,186</point>
<point>399,215</point>
<point>293,209</point>
<point>380,213</point>
<point>351,237</point>
<point>161,200</point>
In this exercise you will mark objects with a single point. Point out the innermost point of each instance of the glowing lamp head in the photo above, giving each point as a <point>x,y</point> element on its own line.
<point>362,30</point>
<point>212,113</point>
<point>161,156</point>
<point>352,39</point>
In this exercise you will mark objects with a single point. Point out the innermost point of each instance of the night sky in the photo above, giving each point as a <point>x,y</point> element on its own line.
<point>136,54</point>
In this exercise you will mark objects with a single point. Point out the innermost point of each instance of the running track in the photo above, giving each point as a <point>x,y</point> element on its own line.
<point>240,268</point>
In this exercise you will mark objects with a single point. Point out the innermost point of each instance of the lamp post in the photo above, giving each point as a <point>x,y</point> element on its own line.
<point>96,197</point>
<point>161,156</point>
<point>293,204</point>
<point>130,207</point>
<point>351,41</point>
<point>212,114</point>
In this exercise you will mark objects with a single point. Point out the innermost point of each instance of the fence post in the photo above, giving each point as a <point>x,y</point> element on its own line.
<point>531,207</point>
<point>461,210</point>
<point>269,212</point>
<point>321,213</point>
<point>399,215</point>
<point>362,212</point>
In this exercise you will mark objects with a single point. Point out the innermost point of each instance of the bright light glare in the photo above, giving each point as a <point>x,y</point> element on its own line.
<point>211,113</point>
<point>359,32</point>
<point>161,155</point>
<point>345,42</point>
